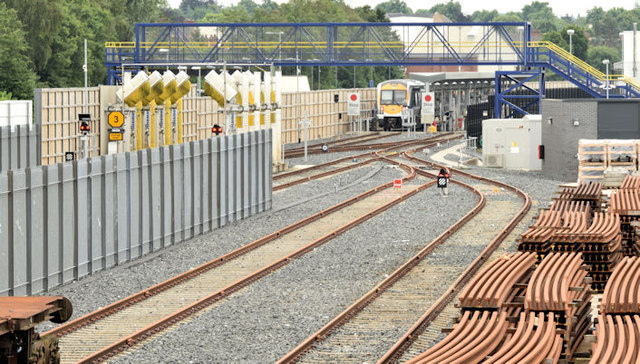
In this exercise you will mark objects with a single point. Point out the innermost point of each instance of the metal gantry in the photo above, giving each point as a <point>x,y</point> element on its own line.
<point>321,44</point>
<point>364,44</point>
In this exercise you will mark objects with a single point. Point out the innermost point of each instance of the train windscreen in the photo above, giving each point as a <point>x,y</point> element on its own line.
<point>393,97</point>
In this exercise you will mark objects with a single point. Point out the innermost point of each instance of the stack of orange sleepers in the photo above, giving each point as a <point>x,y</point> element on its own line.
<point>589,192</point>
<point>536,238</point>
<point>618,326</point>
<point>513,313</point>
<point>574,224</point>
<point>558,286</point>
<point>602,248</point>
<point>567,237</point>
<point>626,203</point>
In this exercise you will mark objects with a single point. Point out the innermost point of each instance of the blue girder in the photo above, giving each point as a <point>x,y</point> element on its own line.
<point>359,44</point>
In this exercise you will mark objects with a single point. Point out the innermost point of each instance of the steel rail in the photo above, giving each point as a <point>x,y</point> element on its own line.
<point>336,161</point>
<point>318,166</point>
<point>351,148</point>
<point>344,141</point>
<point>370,296</point>
<point>204,302</point>
<point>160,287</point>
<point>426,143</point>
<point>323,174</point>
<point>189,310</point>
<point>409,337</point>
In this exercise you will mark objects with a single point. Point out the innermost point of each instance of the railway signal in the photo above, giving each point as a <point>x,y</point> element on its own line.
<point>443,180</point>
<point>216,129</point>
<point>84,127</point>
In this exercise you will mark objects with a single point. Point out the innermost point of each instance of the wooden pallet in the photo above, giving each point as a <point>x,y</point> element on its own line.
<point>623,154</point>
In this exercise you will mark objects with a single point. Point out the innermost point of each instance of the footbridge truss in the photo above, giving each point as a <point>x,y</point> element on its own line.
<point>369,44</point>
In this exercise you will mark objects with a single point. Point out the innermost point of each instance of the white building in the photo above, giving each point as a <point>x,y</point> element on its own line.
<point>629,65</point>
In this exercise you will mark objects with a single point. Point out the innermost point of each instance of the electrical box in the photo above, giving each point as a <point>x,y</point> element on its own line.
<point>512,143</point>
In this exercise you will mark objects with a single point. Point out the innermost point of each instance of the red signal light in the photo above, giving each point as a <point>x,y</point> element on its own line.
<point>216,129</point>
<point>446,175</point>
<point>84,126</point>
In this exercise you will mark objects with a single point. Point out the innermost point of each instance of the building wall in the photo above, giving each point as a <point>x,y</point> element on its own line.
<point>56,111</point>
<point>627,63</point>
<point>560,136</point>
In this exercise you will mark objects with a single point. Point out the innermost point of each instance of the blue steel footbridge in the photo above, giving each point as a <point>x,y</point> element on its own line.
<point>506,45</point>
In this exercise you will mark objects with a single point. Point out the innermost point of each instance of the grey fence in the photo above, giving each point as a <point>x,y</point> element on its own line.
<point>20,147</point>
<point>62,222</point>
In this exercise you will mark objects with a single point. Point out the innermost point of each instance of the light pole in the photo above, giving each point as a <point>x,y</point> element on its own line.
<point>606,64</point>
<point>570,32</point>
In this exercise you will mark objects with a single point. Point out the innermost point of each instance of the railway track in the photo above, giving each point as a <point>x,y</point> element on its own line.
<point>287,179</point>
<point>105,332</point>
<point>416,340</point>
<point>346,148</point>
<point>298,151</point>
<point>372,324</point>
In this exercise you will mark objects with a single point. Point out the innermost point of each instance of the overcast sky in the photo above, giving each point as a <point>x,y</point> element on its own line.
<point>560,7</point>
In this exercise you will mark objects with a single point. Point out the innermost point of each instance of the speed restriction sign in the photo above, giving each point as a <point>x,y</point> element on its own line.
<point>115,119</point>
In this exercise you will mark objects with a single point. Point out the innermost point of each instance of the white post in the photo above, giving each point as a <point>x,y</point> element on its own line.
<point>86,69</point>
<point>306,121</point>
<point>306,138</point>
<point>606,64</point>
<point>298,96</point>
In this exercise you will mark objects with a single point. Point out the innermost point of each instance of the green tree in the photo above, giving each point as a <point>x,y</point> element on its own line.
<point>366,13</point>
<point>484,15</point>
<point>394,6</point>
<point>41,20</point>
<point>541,16</point>
<point>508,17</point>
<point>126,13</point>
<point>198,9</point>
<point>597,54</point>
<point>579,40</point>
<point>4,95</point>
<point>63,69</point>
<point>17,78</point>
<point>451,10</point>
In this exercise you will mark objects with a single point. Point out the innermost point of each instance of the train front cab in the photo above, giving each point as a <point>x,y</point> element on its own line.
<point>393,97</point>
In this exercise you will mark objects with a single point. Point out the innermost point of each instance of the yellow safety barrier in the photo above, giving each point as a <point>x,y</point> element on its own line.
<point>584,66</point>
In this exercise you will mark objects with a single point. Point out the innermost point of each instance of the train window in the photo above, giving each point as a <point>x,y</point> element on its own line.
<point>389,97</point>
<point>386,97</point>
<point>399,97</point>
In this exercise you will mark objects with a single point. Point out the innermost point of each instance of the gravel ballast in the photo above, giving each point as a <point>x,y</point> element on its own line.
<point>267,319</point>
<point>108,286</point>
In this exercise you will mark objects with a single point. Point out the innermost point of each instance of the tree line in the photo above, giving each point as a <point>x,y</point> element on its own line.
<point>41,41</point>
